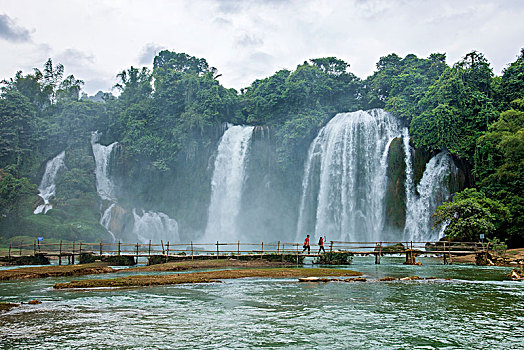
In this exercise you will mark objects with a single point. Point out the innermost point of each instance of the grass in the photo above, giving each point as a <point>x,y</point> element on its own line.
<point>54,271</point>
<point>205,277</point>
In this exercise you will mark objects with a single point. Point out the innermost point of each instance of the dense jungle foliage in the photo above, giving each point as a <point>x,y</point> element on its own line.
<point>168,120</point>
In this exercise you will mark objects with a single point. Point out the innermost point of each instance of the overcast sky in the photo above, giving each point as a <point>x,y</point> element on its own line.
<point>248,40</point>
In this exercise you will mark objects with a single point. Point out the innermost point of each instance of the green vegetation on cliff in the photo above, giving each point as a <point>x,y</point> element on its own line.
<point>168,121</point>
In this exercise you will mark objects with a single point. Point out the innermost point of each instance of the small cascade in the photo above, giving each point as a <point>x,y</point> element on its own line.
<point>104,186</point>
<point>48,185</point>
<point>155,227</point>
<point>344,180</point>
<point>227,183</point>
<point>106,220</point>
<point>432,190</point>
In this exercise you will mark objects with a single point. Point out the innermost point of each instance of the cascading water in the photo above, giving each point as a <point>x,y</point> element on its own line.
<point>226,184</point>
<point>106,220</point>
<point>433,190</point>
<point>104,186</point>
<point>345,177</point>
<point>155,227</point>
<point>48,185</point>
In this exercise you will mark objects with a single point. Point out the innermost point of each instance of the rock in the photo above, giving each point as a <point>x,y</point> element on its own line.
<point>387,279</point>
<point>411,278</point>
<point>517,275</point>
<point>309,279</point>
<point>358,279</point>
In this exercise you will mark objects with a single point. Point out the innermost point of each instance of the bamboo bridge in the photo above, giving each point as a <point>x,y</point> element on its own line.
<point>221,250</point>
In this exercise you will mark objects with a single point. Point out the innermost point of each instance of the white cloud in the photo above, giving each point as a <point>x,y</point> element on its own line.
<point>248,40</point>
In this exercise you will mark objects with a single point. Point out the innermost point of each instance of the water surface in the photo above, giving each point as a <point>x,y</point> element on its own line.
<point>477,309</point>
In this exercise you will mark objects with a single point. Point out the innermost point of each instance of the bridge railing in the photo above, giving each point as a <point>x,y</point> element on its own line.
<point>237,248</point>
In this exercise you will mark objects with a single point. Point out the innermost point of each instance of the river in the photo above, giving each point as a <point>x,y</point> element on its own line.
<point>475,309</point>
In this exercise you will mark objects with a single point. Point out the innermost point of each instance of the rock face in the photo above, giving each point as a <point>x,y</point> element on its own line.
<point>120,219</point>
<point>395,191</point>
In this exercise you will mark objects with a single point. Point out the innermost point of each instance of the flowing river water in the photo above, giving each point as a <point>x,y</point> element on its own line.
<point>467,307</point>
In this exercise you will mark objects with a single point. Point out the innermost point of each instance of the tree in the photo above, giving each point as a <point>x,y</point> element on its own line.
<point>470,214</point>
<point>512,82</point>
<point>17,121</point>
<point>400,83</point>
<point>457,109</point>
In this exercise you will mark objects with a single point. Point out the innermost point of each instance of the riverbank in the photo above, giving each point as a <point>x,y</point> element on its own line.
<point>205,277</point>
<point>55,271</point>
<point>209,264</point>
<point>102,267</point>
<point>512,258</point>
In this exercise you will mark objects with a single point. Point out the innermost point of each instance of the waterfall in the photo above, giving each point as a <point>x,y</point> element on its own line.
<point>408,160</point>
<point>155,227</point>
<point>433,190</point>
<point>227,183</point>
<point>344,181</point>
<point>104,185</point>
<point>47,185</point>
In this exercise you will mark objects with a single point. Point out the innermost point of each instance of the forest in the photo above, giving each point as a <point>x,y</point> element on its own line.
<point>168,120</point>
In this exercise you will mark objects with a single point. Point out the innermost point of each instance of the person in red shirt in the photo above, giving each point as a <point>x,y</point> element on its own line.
<point>321,245</point>
<point>306,245</point>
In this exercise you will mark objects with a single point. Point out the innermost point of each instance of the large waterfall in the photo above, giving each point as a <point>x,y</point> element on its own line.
<point>433,190</point>
<point>227,183</point>
<point>48,184</point>
<point>345,181</point>
<point>345,177</point>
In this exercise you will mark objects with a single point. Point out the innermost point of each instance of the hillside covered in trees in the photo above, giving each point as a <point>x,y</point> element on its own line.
<point>167,122</point>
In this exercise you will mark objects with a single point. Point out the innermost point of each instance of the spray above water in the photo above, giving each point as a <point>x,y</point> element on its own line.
<point>48,184</point>
<point>227,183</point>
<point>155,227</point>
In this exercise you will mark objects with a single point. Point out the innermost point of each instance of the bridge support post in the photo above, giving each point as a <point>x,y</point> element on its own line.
<point>410,257</point>
<point>60,254</point>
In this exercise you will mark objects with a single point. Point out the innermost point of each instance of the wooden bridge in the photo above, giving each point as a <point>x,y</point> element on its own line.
<point>221,250</point>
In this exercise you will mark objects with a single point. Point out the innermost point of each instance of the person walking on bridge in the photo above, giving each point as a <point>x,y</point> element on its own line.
<point>306,245</point>
<point>321,245</point>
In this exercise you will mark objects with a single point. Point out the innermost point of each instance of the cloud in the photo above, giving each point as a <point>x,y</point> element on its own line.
<point>10,31</point>
<point>249,40</point>
<point>75,57</point>
<point>149,52</point>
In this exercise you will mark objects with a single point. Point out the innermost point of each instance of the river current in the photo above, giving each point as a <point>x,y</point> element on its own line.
<point>467,307</point>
